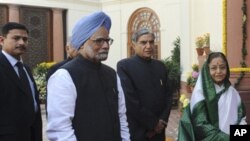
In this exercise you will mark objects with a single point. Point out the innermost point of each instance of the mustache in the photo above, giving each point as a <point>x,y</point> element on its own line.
<point>103,51</point>
<point>21,47</point>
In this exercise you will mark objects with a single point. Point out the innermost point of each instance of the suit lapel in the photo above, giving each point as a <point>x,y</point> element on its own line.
<point>10,72</point>
<point>33,83</point>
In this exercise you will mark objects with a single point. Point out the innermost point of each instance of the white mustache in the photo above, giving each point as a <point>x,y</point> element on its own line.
<point>104,52</point>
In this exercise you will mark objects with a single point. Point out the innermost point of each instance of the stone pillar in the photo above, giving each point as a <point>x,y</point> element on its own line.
<point>58,46</point>
<point>233,47</point>
<point>13,13</point>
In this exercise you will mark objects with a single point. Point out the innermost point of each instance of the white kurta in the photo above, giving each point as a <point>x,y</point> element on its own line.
<point>61,107</point>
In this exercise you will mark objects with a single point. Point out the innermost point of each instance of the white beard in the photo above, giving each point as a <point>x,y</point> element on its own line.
<point>98,56</point>
<point>102,56</point>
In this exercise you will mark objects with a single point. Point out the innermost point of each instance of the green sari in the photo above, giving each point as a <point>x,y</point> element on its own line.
<point>201,122</point>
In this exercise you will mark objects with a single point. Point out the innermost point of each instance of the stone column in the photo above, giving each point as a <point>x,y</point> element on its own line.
<point>13,13</point>
<point>58,46</point>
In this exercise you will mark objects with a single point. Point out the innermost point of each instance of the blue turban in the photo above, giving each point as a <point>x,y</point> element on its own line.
<point>87,26</point>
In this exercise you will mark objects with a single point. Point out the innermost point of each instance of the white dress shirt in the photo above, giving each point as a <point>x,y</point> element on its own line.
<point>61,107</point>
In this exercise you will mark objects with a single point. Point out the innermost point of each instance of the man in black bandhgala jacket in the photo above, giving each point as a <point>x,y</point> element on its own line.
<point>144,81</point>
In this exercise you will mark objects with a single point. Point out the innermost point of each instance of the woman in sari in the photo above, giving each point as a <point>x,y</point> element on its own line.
<point>214,104</point>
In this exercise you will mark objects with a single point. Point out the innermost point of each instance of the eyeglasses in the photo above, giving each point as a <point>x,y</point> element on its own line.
<point>100,41</point>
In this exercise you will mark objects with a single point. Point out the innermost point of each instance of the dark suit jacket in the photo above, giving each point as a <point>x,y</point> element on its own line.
<point>18,119</point>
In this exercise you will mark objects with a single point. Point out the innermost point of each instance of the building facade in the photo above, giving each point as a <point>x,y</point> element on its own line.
<point>51,21</point>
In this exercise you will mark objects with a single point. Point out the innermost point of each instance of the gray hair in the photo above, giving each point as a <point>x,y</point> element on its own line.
<point>141,32</point>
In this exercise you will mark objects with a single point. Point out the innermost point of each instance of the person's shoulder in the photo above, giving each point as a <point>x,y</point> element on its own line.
<point>234,90</point>
<point>158,61</point>
<point>124,62</point>
<point>55,66</point>
<point>108,68</point>
<point>65,63</point>
<point>235,93</point>
<point>62,63</point>
<point>231,88</point>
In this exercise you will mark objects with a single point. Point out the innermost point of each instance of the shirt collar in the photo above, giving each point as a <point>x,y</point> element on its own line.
<point>10,58</point>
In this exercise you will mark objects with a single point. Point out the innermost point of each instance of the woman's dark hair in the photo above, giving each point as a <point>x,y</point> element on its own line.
<point>12,25</point>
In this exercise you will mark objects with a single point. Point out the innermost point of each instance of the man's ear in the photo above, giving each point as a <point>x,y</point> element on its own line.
<point>1,40</point>
<point>67,48</point>
<point>133,45</point>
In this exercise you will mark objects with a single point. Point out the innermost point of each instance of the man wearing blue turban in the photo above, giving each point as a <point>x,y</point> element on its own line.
<point>85,99</point>
<point>87,26</point>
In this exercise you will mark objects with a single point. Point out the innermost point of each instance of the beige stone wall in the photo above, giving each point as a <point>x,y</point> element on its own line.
<point>185,18</point>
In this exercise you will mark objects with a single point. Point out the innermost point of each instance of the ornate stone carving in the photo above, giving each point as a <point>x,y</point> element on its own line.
<point>38,22</point>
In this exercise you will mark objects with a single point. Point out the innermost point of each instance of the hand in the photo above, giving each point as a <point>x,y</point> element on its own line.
<point>160,126</point>
<point>150,134</point>
<point>163,122</point>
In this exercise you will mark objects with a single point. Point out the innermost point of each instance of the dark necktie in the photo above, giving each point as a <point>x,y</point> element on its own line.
<point>24,79</point>
<point>25,82</point>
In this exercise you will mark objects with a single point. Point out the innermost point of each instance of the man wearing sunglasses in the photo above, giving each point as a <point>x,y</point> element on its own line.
<point>85,99</point>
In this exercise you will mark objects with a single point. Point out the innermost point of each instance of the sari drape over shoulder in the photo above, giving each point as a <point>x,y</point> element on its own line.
<point>212,110</point>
